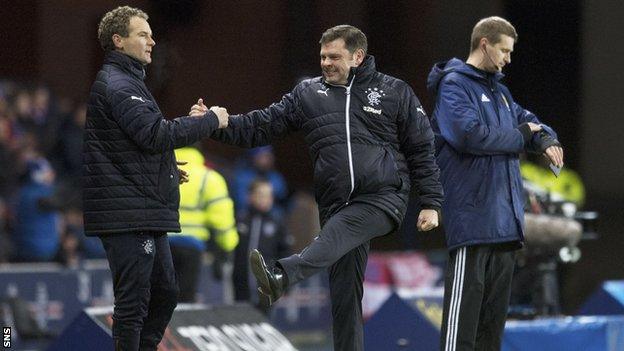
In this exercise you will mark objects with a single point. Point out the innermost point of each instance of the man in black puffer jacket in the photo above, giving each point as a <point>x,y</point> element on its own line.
<point>369,138</point>
<point>130,179</point>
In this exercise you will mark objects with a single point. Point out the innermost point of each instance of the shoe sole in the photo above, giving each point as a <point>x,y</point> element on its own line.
<point>258,268</point>
<point>264,299</point>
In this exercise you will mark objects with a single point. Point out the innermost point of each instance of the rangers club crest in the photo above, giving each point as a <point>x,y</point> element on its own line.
<point>148,247</point>
<point>374,96</point>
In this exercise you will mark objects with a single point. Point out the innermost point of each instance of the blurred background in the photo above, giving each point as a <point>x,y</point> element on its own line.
<point>245,55</point>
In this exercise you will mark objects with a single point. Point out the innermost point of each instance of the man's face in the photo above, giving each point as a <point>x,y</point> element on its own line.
<point>139,42</point>
<point>336,61</point>
<point>499,54</point>
<point>264,161</point>
<point>261,198</point>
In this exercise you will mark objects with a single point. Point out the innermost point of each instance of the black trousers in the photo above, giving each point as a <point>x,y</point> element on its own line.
<point>145,288</point>
<point>477,287</point>
<point>342,247</point>
<point>187,262</point>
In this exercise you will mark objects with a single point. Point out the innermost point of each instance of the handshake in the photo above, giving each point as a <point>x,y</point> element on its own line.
<point>199,110</point>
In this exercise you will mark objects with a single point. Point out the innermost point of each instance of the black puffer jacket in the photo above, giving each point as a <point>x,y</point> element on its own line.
<point>367,140</point>
<point>130,179</point>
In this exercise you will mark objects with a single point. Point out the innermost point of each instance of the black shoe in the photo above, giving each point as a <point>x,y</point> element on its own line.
<point>271,284</point>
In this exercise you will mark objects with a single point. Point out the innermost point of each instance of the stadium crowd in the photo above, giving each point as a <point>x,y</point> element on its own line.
<point>41,136</point>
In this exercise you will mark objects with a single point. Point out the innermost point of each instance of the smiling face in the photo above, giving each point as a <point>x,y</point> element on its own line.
<point>336,61</point>
<point>139,42</point>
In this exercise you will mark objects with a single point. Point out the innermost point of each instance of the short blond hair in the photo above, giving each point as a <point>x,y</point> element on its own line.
<point>491,28</point>
<point>117,22</point>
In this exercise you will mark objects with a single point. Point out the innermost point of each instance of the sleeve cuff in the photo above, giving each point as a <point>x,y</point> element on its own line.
<point>211,120</point>
<point>525,130</point>
<point>430,207</point>
<point>548,141</point>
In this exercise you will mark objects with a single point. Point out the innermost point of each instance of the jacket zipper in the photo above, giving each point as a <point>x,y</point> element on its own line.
<point>348,129</point>
<point>494,99</point>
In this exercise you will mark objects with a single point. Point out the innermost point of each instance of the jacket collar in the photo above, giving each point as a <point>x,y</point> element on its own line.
<point>365,70</point>
<point>127,63</point>
<point>252,212</point>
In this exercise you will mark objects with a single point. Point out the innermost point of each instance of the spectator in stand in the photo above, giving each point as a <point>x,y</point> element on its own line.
<point>22,108</point>
<point>5,242</point>
<point>41,105</point>
<point>68,254</point>
<point>259,229</point>
<point>36,234</point>
<point>69,146</point>
<point>8,176</point>
<point>46,117</point>
<point>259,164</point>
<point>89,247</point>
<point>66,156</point>
<point>75,245</point>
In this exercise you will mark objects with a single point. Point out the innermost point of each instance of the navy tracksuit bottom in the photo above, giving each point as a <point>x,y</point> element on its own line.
<point>145,288</point>
<point>342,248</point>
<point>476,296</point>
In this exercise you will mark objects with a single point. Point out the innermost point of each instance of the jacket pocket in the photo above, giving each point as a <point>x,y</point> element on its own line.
<point>375,169</point>
<point>395,174</point>
<point>168,179</point>
<point>478,193</point>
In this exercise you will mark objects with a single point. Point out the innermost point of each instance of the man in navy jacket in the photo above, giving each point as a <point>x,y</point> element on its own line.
<point>480,132</point>
<point>130,179</point>
<point>370,140</point>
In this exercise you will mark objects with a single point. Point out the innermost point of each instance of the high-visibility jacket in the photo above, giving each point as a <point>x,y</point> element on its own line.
<point>568,185</point>
<point>206,209</point>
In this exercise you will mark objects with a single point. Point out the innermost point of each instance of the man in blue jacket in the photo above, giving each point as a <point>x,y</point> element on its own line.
<point>370,141</point>
<point>480,132</point>
<point>130,179</point>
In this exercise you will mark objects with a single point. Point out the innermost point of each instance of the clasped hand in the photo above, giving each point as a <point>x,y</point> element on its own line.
<point>199,110</point>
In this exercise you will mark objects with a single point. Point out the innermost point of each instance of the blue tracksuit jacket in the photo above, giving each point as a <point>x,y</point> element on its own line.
<point>478,142</point>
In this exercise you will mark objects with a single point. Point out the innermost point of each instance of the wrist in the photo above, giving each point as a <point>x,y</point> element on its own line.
<point>547,141</point>
<point>212,119</point>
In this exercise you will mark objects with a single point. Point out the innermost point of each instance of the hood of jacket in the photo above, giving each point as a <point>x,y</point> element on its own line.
<point>441,69</point>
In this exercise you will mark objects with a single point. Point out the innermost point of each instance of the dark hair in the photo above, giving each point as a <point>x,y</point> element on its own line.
<point>354,38</point>
<point>117,22</point>
<point>491,28</point>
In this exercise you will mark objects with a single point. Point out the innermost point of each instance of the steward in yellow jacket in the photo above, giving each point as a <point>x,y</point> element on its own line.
<point>568,186</point>
<point>206,213</point>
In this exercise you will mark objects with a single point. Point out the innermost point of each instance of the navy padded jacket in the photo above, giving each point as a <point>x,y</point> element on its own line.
<point>130,179</point>
<point>478,142</point>
<point>369,140</point>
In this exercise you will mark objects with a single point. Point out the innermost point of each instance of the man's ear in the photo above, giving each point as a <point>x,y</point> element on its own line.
<point>483,42</point>
<point>117,40</point>
<point>359,56</point>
